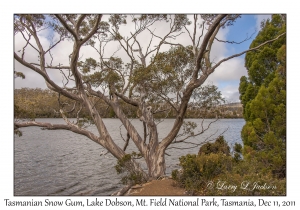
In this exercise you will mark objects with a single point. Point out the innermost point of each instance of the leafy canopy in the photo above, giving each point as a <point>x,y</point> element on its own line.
<point>263,95</point>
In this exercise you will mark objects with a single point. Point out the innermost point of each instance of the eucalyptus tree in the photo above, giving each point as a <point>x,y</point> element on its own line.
<point>150,78</point>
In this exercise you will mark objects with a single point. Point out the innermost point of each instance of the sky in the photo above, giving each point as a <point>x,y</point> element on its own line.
<point>226,77</point>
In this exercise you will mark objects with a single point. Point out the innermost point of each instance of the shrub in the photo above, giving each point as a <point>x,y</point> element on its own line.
<point>126,166</point>
<point>198,170</point>
<point>219,146</point>
<point>237,155</point>
<point>215,172</point>
<point>248,180</point>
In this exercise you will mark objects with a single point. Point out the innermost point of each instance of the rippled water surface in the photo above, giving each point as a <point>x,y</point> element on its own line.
<point>64,163</point>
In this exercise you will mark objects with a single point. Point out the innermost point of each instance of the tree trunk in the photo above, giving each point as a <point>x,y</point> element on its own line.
<point>155,160</point>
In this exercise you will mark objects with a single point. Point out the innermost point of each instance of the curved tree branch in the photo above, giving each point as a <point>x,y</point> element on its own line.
<point>70,127</point>
<point>239,54</point>
<point>54,86</point>
<point>93,31</point>
<point>79,21</point>
<point>206,39</point>
<point>69,29</point>
<point>127,100</point>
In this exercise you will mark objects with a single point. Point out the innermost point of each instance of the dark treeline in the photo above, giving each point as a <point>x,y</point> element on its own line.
<point>40,103</point>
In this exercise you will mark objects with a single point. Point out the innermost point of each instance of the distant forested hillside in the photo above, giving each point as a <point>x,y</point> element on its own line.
<point>39,103</point>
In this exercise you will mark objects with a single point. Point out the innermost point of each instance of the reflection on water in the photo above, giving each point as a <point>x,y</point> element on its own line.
<point>64,163</point>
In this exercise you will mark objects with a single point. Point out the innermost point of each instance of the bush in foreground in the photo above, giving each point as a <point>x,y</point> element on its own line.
<point>217,172</point>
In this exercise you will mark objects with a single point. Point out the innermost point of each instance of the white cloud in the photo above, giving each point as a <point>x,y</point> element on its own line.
<point>229,71</point>
<point>228,74</point>
<point>230,93</point>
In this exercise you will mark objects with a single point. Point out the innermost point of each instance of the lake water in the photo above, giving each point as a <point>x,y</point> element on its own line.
<point>64,163</point>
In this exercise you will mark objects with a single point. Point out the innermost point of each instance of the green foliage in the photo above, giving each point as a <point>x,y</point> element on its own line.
<point>167,73</point>
<point>237,155</point>
<point>88,65</point>
<point>188,127</point>
<point>95,79</point>
<point>19,74</point>
<point>217,173</point>
<point>212,160</point>
<point>263,95</point>
<point>108,75</point>
<point>262,65</point>
<point>116,20</point>
<point>198,170</point>
<point>18,132</point>
<point>219,146</point>
<point>208,96</point>
<point>225,23</point>
<point>245,180</point>
<point>126,166</point>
